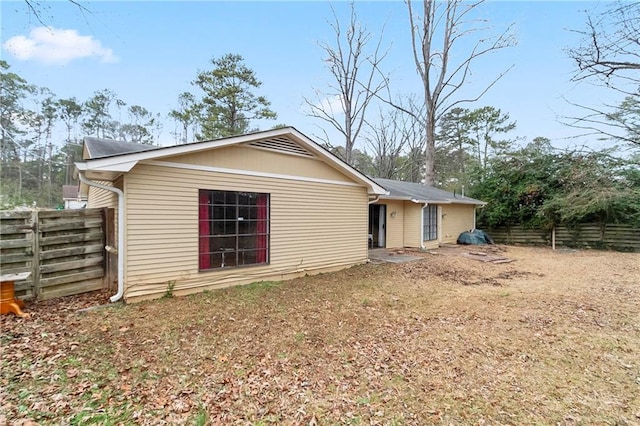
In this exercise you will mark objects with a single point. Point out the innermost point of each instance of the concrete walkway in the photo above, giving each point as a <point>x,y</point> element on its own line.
<point>384,255</point>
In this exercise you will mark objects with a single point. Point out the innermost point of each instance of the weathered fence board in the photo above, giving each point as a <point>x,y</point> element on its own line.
<point>7,244</point>
<point>15,229</point>
<point>16,248</point>
<point>605,236</point>
<point>48,214</point>
<point>67,239</point>
<point>72,265</point>
<point>72,288</point>
<point>74,251</point>
<point>16,258</point>
<point>66,225</point>
<point>63,250</point>
<point>73,278</point>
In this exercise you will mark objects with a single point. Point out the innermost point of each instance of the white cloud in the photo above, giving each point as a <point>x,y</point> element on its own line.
<point>332,105</point>
<point>54,46</point>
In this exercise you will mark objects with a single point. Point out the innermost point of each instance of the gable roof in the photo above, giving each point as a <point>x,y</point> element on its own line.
<point>70,192</point>
<point>419,193</point>
<point>108,159</point>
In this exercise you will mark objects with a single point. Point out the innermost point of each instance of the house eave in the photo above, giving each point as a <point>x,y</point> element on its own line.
<point>107,173</point>
<point>424,201</point>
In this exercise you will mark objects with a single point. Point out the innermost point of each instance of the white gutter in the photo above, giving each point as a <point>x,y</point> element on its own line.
<point>120,247</point>
<point>375,200</point>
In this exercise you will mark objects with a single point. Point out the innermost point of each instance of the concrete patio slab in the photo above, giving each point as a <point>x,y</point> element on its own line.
<point>390,256</point>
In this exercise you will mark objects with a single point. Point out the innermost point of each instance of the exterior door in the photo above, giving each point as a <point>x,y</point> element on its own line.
<point>377,225</point>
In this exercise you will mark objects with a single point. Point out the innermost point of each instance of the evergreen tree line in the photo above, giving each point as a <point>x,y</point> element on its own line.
<point>36,160</point>
<point>41,136</point>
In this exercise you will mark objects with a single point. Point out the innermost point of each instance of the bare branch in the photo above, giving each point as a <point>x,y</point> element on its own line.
<point>35,12</point>
<point>35,7</point>
<point>611,125</point>
<point>609,55</point>
<point>610,46</point>
<point>354,72</point>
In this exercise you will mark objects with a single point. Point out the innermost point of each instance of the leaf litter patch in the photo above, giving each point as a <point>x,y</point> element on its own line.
<point>429,342</point>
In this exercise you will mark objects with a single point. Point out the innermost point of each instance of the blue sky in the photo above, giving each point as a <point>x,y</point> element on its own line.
<point>148,52</point>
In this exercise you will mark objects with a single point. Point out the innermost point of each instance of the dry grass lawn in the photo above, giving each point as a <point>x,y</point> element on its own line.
<point>552,338</point>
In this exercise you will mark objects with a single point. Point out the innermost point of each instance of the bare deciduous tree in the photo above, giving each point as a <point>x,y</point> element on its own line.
<point>397,142</point>
<point>609,55</point>
<point>354,71</point>
<point>387,139</point>
<point>610,46</point>
<point>436,34</point>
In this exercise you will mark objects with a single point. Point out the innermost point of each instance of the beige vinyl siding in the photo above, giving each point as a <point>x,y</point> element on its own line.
<point>314,227</point>
<point>403,230</point>
<point>98,198</point>
<point>456,218</point>
<point>412,224</point>
<point>261,160</point>
<point>395,225</point>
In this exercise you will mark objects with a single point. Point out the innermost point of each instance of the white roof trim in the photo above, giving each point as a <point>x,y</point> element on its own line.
<point>123,166</point>
<point>125,162</point>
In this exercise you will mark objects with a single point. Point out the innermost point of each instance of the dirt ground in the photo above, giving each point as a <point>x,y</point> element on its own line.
<point>546,337</point>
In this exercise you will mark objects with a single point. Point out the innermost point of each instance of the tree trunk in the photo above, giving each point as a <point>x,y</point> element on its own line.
<point>348,141</point>
<point>430,149</point>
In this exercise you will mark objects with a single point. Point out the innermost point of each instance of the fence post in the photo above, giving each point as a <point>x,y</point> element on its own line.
<point>35,262</point>
<point>111,266</point>
<point>553,238</point>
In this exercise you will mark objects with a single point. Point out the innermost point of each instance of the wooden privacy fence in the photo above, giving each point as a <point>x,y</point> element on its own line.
<point>64,250</point>
<point>590,235</point>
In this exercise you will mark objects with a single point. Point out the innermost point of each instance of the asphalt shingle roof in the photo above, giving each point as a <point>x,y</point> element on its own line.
<point>423,193</point>
<point>100,148</point>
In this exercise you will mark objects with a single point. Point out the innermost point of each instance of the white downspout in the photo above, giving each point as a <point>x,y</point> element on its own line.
<point>424,206</point>
<point>120,292</point>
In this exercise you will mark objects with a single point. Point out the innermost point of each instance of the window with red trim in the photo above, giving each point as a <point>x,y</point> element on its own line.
<point>233,229</point>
